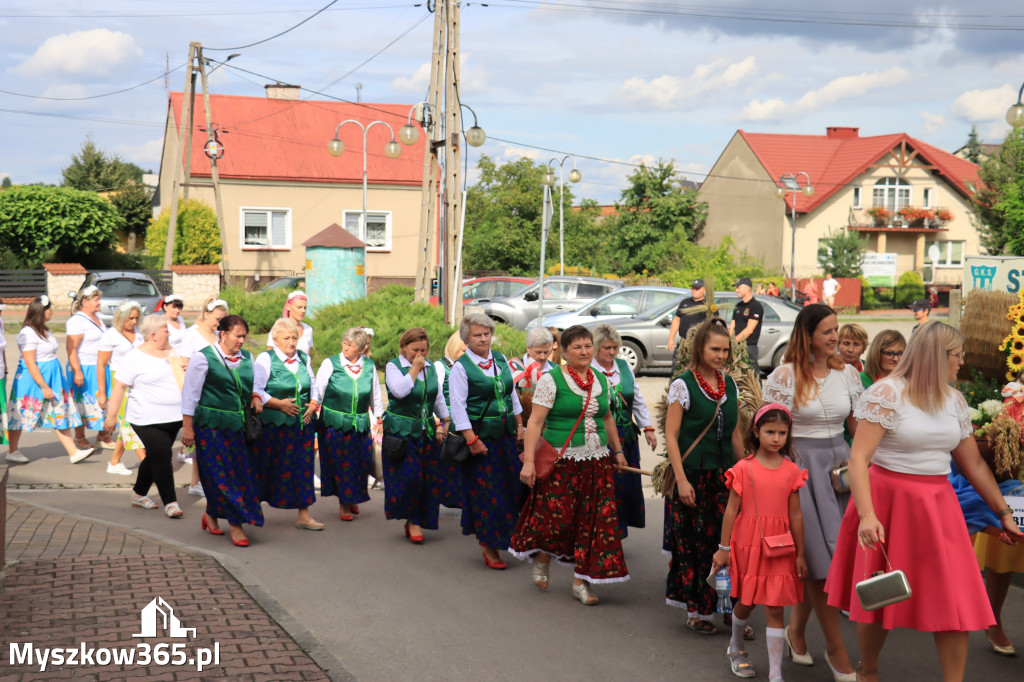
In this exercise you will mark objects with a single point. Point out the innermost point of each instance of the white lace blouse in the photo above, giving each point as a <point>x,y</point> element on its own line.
<point>823,415</point>
<point>544,395</point>
<point>915,442</point>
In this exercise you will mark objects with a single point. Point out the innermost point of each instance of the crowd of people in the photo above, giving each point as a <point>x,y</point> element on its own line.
<point>542,454</point>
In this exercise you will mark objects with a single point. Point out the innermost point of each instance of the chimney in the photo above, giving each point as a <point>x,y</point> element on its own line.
<point>282,91</point>
<point>835,132</point>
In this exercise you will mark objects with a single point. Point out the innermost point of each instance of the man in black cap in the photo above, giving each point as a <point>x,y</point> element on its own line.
<point>921,308</point>
<point>746,318</point>
<point>682,322</point>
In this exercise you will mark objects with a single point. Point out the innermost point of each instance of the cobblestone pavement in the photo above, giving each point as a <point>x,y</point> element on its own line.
<point>71,583</point>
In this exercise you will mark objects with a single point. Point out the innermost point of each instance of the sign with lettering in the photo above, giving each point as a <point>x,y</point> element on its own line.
<point>993,273</point>
<point>879,269</point>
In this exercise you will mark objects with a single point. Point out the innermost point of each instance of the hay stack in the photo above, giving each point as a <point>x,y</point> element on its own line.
<point>984,326</point>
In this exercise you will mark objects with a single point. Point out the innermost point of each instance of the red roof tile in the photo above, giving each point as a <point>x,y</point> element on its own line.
<point>273,139</point>
<point>832,162</point>
<point>335,236</point>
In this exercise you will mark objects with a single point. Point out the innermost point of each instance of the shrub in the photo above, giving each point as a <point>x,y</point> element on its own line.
<point>197,238</point>
<point>909,288</point>
<point>259,310</point>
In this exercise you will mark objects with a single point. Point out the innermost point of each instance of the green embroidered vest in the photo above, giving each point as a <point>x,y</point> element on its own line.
<point>347,399</point>
<point>282,384</point>
<point>220,404</point>
<point>412,415</point>
<point>621,400</point>
<point>566,411</point>
<point>714,451</point>
<point>489,400</point>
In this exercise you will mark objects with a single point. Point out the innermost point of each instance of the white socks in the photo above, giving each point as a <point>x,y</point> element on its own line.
<point>736,643</point>
<point>775,647</point>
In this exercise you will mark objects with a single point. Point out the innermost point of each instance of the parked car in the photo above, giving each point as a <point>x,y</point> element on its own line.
<point>645,337</point>
<point>490,287</point>
<point>118,287</point>
<point>561,294</point>
<point>624,302</point>
<point>291,282</point>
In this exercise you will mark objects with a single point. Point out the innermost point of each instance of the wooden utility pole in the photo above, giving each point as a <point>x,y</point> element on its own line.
<point>211,136</point>
<point>186,115</point>
<point>453,168</point>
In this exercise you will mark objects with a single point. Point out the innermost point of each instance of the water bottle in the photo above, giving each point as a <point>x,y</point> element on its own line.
<point>723,586</point>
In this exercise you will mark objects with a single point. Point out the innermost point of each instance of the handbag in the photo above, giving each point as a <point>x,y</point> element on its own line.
<point>253,425</point>
<point>668,481</point>
<point>773,546</point>
<point>454,449</point>
<point>883,587</point>
<point>545,456</point>
<point>393,448</point>
<point>839,475</point>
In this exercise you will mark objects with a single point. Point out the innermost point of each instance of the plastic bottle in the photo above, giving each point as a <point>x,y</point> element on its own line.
<point>723,586</point>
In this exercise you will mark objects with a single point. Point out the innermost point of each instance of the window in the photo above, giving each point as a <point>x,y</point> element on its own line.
<point>927,197</point>
<point>377,235</point>
<point>585,291</point>
<point>656,298</point>
<point>891,193</point>
<point>126,288</point>
<point>626,303</point>
<point>951,254</point>
<point>266,228</point>
<point>856,197</point>
<point>556,291</point>
<point>478,290</point>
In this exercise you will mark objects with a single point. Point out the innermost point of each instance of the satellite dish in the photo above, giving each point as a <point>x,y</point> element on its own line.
<point>934,253</point>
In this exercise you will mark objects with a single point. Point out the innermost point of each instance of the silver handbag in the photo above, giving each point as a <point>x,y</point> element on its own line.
<point>883,588</point>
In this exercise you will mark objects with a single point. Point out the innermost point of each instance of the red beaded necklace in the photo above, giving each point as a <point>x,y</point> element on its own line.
<point>712,393</point>
<point>585,385</point>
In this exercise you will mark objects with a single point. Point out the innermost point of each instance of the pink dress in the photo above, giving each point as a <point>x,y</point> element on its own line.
<point>756,579</point>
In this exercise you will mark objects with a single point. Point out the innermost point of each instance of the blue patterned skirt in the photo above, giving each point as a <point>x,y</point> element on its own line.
<point>228,477</point>
<point>450,480</point>
<point>629,494</point>
<point>410,487</point>
<point>284,466</point>
<point>86,395</point>
<point>346,460</point>
<point>28,410</point>
<point>492,493</point>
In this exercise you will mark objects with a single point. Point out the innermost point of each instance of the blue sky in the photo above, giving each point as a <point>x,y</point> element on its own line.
<point>622,81</point>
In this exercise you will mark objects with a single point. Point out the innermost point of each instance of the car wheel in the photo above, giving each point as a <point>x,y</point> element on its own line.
<point>777,357</point>
<point>633,355</point>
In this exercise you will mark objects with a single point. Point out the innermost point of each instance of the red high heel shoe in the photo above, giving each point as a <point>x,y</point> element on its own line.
<point>414,539</point>
<point>244,542</point>
<point>354,508</point>
<point>211,526</point>
<point>496,565</point>
<point>343,516</point>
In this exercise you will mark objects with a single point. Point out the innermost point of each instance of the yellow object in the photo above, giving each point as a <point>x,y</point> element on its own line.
<point>999,557</point>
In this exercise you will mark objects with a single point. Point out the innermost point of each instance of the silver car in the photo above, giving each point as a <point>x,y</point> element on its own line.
<point>624,302</point>
<point>645,337</point>
<point>561,294</point>
<point>118,287</point>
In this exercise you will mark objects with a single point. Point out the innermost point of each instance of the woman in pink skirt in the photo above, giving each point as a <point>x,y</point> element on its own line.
<point>903,503</point>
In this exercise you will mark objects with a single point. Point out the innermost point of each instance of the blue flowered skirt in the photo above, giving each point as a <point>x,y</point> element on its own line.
<point>411,490</point>
<point>346,460</point>
<point>28,410</point>
<point>629,494</point>
<point>284,466</point>
<point>85,396</point>
<point>449,478</point>
<point>228,477</point>
<point>492,493</point>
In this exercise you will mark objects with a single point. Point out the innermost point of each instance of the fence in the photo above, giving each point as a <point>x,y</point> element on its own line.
<point>22,284</point>
<point>163,280</point>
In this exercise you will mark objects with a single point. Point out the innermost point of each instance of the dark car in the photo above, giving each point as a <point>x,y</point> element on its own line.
<point>296,282</point>
<point>118,287</point>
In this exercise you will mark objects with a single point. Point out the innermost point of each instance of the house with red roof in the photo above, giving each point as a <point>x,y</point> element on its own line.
<point>902,195</point>
<point>280,186</point>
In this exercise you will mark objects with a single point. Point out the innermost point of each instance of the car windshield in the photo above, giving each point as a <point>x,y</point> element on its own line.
<point>126,288</point>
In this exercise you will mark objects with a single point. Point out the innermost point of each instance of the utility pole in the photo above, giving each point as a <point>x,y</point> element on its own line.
<point>211,137</point>
<point>186,117</point>
<point>453,168</point>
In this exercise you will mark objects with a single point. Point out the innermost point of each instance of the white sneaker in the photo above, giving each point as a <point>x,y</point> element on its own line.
<point>196,490</point>
<point>119,469</point>
<point>316,481</point>
<point>16,457</point>
<point>81,454</point>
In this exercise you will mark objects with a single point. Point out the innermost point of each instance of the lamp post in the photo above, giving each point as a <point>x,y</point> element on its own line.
<point>789,182</point>
<point>548,179</point>
<point>1015,114</point>
<point>392,150</point>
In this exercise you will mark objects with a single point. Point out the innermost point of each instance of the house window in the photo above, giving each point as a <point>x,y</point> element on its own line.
<point>927,197</point>
<point>266,228</point>
<point>856,197</point>
<point>891,193</point>
<point>377,235</point>
<point>951,254</point>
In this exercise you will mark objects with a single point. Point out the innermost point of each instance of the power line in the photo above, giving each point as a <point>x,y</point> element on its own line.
<point>276,35</point>
<point>106,94</point>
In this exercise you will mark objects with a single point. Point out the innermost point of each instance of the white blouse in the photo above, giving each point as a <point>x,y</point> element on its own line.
<point>154,397</point>
<point>458,391</point>
<point>45,348</point>
<point>176,335</point>
<point>592,448</point>
<point>305,343</point>
<point>915,442</point>
<point>82,325</point>
<point>402,384</point>
<point>680,394</point>
<point>826,410</point>
<point>640,411</point>
<point>261,374</point>
<point>192,342</point>
<point>323,377</point>
<point>118,346</point>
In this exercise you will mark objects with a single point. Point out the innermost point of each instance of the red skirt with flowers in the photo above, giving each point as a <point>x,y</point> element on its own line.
<point>572,516</point>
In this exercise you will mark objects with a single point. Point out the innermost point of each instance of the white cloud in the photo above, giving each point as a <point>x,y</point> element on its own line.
<point>472,79</point>
<point>417,82</point>
<point>833,91</point>
<point>933,122</point>
<point>513,153</point>
<point>984,105</point>
<point>81,54</point>
<point>670,92</point>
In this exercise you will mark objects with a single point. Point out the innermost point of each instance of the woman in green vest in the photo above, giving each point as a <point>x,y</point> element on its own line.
<point>712,444</point>
<point>218,382</point>
<point>284,381</point>
<point>486,410</point>
<point>350,388</point>
<point>414,397</point>
<point>631,416</point>
<point>571,514</point>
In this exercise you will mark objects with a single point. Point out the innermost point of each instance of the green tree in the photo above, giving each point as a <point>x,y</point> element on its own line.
<point>841,253</point>
<point>1002,170</point>
<point>1011,206</point>
<point>133,204</point>
<point>196,240</point>
<point>909,288</point>
<point>37,223</point>
<point>972,150</point>
<point>655,215</point>
<point>723,263</point>
<point>6,182</point>
<point>94,170</point>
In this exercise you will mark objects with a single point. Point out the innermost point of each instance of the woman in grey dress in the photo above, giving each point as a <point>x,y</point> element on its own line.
<point>820,390</point>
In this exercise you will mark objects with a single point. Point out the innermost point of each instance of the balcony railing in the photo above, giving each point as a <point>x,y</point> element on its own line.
<point>881,217</point>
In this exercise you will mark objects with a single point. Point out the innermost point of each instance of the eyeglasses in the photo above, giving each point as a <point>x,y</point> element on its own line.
<point>960,355</point>
<point>893,354</point>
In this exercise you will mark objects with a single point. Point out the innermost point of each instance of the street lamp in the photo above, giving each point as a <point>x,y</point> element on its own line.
<point>392,150</point>
<point>789,182</point>
<point>548,179</point>
<point>1015,114</point>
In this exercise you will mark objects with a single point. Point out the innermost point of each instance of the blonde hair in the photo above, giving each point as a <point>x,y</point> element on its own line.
<point>91,291</point>
<point>854,332</point>
<point>455,347</point>
<point>203,310</point>
<point>123,312</point>
<point>358,336</point>
<point>924,365</point>
<point>603,333</point>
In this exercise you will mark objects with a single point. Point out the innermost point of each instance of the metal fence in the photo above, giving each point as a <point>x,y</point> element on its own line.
<point>163,280</point>
<point>22,283</point>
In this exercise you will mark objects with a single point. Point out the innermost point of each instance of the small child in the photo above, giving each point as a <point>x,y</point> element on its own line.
<point>763,502</point>
<point>853,341</point>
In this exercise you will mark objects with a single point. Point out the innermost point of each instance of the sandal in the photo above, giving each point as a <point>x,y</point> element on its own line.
<point>540,574</point>
<point>739,663</point>
<point>703,627</point>
<point>143,501</point>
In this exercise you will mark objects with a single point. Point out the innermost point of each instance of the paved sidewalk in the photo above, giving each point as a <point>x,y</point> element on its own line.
<point>71,582</point>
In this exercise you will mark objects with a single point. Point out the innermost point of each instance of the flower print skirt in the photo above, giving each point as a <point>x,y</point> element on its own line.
<point>346,461</point>
<point>28,410</point>
<point>85,395</point>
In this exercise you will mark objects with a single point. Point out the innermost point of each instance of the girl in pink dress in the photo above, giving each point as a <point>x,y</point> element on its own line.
<point>763,503</point>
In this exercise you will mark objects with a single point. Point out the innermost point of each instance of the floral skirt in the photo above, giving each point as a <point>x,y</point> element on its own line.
<point>228,477</point>
<point>284,466</point>
<point>692,535</point>
<point>85,396</point>
<point>410,486</point>
<point>449,479</point>
<point>28,410</point>
<point>629,493</point>
<point>571,515</point>
<point>346,460</point>
<point>492,494</point>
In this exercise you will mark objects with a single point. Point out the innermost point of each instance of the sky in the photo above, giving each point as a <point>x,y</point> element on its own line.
<point>614,83</point>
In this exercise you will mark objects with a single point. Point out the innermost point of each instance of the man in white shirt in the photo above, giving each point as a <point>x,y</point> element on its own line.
<point>829,288</point>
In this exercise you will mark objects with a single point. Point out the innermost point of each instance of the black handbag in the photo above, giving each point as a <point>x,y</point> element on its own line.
<point>393,449</point>
<point>454,449</point>
<point>253,425</point>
